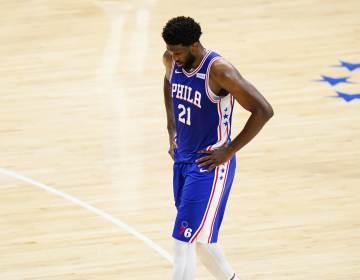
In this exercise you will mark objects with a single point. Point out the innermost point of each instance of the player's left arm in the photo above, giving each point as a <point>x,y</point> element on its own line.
<point>227,77</point>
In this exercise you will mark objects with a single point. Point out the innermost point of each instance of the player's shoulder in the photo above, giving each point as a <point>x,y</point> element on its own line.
<point>221,67</point>
<point>167,59</point>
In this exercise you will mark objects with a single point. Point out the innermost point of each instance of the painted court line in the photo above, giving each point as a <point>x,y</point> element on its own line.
<point>100,213</point>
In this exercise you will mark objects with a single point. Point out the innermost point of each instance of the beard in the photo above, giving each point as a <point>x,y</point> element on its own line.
<point>189,62</point>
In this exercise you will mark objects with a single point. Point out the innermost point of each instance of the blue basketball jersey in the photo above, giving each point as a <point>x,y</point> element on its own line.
<point>203,119</point>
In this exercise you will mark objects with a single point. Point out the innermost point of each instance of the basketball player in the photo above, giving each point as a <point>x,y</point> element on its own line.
<point>200,88</point>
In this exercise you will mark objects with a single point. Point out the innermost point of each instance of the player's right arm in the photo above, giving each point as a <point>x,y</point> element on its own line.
<point>167,60</point>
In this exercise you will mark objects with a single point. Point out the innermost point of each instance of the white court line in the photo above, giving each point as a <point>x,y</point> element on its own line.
<point>101,213</point>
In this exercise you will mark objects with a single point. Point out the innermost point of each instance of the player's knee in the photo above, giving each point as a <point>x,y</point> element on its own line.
<point>202,249</point>
<point>181,248</point>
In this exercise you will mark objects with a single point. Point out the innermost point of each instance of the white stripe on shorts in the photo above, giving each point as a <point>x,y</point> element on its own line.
<point>205,229</point>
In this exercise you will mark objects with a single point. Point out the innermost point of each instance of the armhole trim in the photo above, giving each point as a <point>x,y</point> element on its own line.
<point>211,95</point>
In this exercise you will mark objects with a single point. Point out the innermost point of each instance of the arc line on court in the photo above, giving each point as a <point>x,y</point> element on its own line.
<point>106,216</point>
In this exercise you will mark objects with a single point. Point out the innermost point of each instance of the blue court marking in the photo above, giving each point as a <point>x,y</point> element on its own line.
<point>348,65</point>
<point>346,96</point>
<point>334,81</point>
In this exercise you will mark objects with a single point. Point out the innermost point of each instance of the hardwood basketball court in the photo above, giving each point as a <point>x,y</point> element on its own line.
<point>85,178</point>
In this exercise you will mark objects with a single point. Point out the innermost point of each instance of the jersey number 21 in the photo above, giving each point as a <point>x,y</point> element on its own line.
<point>184,115</point>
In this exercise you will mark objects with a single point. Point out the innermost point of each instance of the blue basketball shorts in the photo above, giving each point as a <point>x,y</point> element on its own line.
<point>200,199</point>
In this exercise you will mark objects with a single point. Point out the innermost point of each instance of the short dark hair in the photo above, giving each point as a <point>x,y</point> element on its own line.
<point>181,30</point>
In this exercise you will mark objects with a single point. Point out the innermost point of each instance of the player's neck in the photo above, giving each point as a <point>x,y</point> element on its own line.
<point>199,57</point>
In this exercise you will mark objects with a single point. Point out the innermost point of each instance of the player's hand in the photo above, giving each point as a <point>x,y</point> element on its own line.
<point>173,146</point>
<point>214,157</point>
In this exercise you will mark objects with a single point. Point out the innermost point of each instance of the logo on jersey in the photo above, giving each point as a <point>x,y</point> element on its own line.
<point>200,75</point>
<point>186,93</point>
<point>185,230</point>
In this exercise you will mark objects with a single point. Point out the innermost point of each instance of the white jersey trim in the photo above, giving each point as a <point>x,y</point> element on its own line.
<point>210,94</point>
<point>225,108</point>
<point>205,230</point>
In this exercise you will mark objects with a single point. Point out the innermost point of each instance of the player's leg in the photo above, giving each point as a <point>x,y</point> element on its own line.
<point>213,257</point>
<point>184,261</point>
<point>184,267</point>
